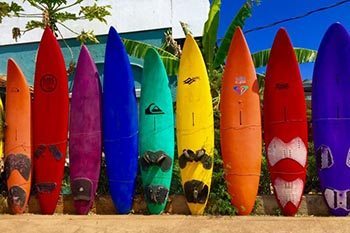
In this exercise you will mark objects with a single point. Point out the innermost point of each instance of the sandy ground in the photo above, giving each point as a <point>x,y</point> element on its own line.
<point>166,223</point>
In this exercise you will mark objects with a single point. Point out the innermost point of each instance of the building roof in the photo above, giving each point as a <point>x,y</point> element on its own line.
<point>126,16</point>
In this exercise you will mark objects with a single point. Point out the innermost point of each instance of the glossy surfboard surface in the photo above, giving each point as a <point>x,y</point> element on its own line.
<point>120,124</point>
<point>240,126</point>
<point>50,121</point>
<point>194,127</point>
<point>285,125</point>
<point>156,133</point>
<point>331,118</point>
<point>18,139</point>
<point>85,135</point>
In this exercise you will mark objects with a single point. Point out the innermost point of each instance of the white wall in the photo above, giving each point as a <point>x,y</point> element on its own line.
<point>127,16</point>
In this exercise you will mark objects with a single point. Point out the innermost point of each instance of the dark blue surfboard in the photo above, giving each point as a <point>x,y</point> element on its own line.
<point>331,118</point>
<point>120,124</point>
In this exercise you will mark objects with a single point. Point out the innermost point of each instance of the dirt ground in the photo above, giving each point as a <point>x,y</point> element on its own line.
<point>167,223</point>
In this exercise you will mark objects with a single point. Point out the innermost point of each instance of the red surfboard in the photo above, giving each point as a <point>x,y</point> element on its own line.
<point>285,125</point>
<point>50,121</point>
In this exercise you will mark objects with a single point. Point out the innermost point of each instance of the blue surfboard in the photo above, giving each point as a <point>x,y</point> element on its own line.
<point>331,118</point>
<point>120,124</point>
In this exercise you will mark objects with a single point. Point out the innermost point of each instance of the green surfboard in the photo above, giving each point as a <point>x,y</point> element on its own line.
<point>156,133</point>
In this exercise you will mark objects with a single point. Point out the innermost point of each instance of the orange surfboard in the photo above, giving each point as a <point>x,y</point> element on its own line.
<point>18,144</point>
<point>240,126</point>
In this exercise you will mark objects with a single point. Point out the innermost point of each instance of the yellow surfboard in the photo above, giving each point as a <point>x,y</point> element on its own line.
<point>194,127</point>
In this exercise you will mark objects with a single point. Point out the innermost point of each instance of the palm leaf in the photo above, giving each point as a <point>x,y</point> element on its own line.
<point>244,13</point>
<point>261,58</point>
<point>210,33</point>
<point>139,49</point>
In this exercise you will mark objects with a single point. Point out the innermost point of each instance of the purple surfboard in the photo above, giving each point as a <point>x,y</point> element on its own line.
<point>85,133</point>
<point>331,118</point>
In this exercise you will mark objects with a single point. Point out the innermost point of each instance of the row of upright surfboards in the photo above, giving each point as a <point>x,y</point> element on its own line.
<point>143,136</point>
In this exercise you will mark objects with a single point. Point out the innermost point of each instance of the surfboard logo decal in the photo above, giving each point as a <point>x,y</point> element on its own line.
<point>48,83</point>
<point>190,80</point>
<point>240,89</point>
<point>153,109</point>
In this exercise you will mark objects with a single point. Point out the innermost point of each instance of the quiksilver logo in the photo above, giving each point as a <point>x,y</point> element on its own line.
<point>190,80</point>
<point>153,109</point>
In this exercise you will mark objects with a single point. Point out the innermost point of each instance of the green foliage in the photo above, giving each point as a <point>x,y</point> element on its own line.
<point>139,50</point>
<point>54,13</point>
<point>312,182</point>
<point>264,183</point>
<point>303,55</point>
<point>219,200</point>
<point>95,12</point>
<point>7,9</point>
<point>210,34</point>
<point>87,36</point>
<point>244,13</point>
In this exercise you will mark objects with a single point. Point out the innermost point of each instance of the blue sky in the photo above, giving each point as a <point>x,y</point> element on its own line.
<point>306,32</point>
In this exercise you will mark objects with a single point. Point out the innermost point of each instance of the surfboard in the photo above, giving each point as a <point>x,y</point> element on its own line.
<point>157,140</point>
<point>50,121</point>
<point>194,127</point>
<point>331,118</point>
<point>240,126</point>
<point>120,124</point>
<point>285,125</point>
<point>85,134</point>
<point>18,139</point>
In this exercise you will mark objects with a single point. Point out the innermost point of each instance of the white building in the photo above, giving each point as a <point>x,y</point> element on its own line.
<point>126,16</point>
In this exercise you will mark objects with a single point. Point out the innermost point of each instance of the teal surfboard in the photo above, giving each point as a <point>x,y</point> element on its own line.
<point>156,133</point>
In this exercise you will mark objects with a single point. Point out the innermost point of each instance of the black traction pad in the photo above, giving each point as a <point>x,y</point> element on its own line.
<point>158,158</point>
<point>39,151</point>
<point>82,189</point>
<point>45,187</point>
<point>16,197</point>
<point>199,156</point>
<point>156,194</point>
<point>52,148</point>
<point>196,191</point>
<point>19,162</point>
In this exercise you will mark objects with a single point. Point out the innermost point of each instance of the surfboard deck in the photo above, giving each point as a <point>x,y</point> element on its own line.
<point>194,127</point>
<point>120,124</point>
<point>157,140</point>
<point>50,121</point>
<point>18,139</point>
<point>85,134</point>
<point>240,126</point>
<point>285,124</point>
<point>331,118</point>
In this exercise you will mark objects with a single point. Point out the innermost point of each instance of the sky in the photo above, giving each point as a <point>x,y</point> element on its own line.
<point>306,32</point>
